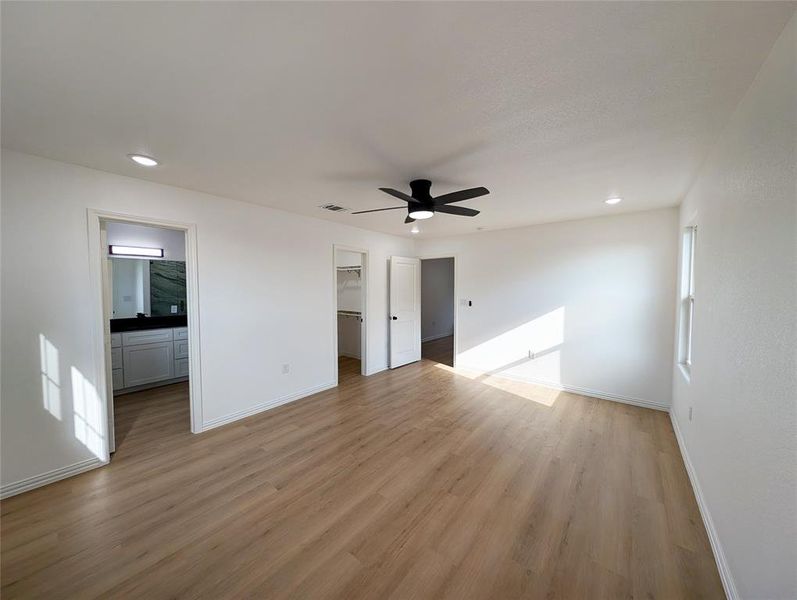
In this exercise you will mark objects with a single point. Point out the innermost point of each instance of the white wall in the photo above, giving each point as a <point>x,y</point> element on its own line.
<point>345,258</point>
<point>266,290</point>
<point>591,300</point>
<point>742,439</point>
<point>437,298</point>
<point>145,236</point>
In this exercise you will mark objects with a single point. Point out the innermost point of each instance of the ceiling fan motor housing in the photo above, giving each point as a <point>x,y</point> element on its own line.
<point>420,190</point>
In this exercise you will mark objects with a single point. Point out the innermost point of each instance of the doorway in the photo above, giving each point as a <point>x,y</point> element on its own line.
<point>350,309</point>
<point>438,310</point>
<point>144,272</point>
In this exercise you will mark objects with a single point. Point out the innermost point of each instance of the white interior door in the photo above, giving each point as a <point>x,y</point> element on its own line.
<point>405,310</point>
<point>107,312</point>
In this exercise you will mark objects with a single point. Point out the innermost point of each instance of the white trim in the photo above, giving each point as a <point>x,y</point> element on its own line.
<point>439,336</point>
<point>719,555</point>
<point>454,256</point>
<point>269,404</point>
<point>29,483</point>
<point>101,357</point>
<point>554,385</point>
<point>364,278</point>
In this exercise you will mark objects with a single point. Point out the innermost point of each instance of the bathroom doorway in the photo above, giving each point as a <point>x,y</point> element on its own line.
<point>144,272</point>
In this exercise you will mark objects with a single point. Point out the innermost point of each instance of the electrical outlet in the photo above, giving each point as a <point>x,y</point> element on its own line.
<point>286,368</point>
<point>174,309</point>
<point>690,413</point>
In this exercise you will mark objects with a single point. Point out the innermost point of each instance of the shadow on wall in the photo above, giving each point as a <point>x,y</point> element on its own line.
<point>86,402</point>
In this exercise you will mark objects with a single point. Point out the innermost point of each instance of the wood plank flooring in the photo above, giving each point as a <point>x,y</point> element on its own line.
<point>440,350</point>
<point>414,483</point>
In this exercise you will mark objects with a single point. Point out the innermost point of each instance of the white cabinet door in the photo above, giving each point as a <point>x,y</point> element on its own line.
<point>147,363</point>
<point>405,310</point>
<point>116,358</point>
<point>118,379</point>
<point>181,367</point>
<point>146,336</point>
<point>181,349</point>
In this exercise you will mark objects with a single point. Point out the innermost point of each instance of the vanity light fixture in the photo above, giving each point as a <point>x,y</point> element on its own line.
<point>143,160</point>
<point>134,251</point>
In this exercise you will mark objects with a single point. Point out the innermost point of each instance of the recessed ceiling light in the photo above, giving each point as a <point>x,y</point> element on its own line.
<point>145,161</point>
<point>421,214</point>
<point>415,229</point>
<point>614,200</point>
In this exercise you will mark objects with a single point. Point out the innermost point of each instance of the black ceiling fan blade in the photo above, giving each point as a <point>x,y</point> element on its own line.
<point>461,195</point>
<point>399,195</point>
<point>360,212</point>
<point>457,210</point>
<point>409,219</point>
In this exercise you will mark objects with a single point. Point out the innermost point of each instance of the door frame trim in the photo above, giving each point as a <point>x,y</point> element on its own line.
<point>102,358</point>
<point>364,274</point>
<point>453,256</point>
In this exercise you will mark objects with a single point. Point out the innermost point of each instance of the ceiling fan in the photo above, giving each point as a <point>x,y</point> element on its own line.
<point>421,205</point>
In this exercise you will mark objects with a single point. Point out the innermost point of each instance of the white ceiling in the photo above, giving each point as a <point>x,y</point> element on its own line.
<point>552,106</point>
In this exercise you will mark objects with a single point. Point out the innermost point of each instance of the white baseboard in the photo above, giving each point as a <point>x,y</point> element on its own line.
<point>30,483</point>
<point>554,385</point>
<point>439,336</point>
<point>242,414</point>
<point>719,555</point>
<point>349,355</point>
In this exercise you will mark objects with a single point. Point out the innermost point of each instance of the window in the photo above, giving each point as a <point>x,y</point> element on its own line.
<point>687,297</point>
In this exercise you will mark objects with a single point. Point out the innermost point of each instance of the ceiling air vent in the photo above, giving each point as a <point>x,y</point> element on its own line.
<point>333,207</point>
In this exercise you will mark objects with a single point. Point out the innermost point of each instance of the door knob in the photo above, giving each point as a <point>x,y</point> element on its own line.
<point>395,318</point>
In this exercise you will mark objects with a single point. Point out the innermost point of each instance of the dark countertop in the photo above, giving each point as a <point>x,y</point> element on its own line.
<point>139,323</point>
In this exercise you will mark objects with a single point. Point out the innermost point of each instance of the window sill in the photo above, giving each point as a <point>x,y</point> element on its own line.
<point>686,371</point>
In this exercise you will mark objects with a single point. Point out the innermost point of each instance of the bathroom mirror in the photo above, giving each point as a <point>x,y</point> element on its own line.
<point>152,287</point>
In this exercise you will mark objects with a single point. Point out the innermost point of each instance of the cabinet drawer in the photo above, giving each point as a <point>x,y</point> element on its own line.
<point>146,336</point>
<point>116,340</point>
<point>116,358</point>
<point>180,333</point>
<point>118,379</point>
<point>181,367</point>
<point>181,349</point>
<point>147,363</point>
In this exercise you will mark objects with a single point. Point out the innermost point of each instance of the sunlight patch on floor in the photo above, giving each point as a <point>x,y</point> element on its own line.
<point>529,391</point>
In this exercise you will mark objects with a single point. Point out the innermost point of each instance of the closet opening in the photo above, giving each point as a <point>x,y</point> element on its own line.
<point>438,310</point>
<point>350,304</point>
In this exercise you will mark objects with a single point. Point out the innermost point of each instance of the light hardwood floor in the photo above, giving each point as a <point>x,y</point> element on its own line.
<point>413,483</point>
<point>440,350</point>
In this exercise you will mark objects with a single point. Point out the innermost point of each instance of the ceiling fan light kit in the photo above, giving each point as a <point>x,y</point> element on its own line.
<point>421,204</point>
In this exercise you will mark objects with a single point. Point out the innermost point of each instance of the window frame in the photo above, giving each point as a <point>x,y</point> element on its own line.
<point>686,337</point>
